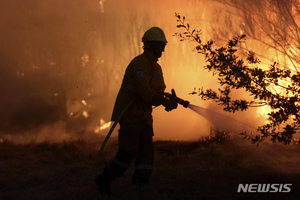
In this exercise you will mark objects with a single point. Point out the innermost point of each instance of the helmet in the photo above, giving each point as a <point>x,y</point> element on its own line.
<point>154,34</point>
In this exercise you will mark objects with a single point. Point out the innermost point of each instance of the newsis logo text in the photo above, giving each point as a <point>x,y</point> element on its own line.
<point>265,188</point>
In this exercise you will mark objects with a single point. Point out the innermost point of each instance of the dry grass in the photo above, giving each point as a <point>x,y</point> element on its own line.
<point>205,169</point>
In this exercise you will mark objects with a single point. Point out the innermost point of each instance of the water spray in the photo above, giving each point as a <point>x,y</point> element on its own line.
<point>215,117</point>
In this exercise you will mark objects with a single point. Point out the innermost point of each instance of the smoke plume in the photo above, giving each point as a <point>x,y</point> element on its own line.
<point>62,63</point>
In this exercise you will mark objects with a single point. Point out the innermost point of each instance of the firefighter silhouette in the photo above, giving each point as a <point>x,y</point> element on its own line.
<point>143,81</point>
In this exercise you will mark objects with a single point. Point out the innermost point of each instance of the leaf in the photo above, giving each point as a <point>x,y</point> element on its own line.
<point>180,25</point>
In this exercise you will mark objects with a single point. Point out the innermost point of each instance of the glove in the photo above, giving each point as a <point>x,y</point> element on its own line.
<point>169,105</point>
<point>173,96</point>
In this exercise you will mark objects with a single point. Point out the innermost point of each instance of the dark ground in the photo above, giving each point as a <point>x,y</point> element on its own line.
<point>182,170</point>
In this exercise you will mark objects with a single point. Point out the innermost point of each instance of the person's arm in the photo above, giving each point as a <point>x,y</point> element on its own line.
<point>149,95</point>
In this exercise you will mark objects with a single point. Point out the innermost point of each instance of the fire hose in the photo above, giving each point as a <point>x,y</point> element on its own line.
<point>168,95</point>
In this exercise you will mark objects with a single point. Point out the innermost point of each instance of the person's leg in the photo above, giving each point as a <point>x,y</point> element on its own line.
<point>128,147</point>
<point>145,156</point>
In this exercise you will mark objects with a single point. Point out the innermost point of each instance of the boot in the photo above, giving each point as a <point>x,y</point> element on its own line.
<point>141,177</point>
<point>139,181</point>
<point>110,172</point>
<point>104,184</point>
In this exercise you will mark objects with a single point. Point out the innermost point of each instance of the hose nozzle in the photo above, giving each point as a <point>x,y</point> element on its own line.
<point>173,97</point>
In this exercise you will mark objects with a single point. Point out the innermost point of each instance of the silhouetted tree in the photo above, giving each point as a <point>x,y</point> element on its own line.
<point>236,73</point>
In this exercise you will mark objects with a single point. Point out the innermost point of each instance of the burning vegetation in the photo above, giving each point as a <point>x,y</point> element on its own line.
<point>68,69</point>
<point>62,63</point>
<point>276,87</point>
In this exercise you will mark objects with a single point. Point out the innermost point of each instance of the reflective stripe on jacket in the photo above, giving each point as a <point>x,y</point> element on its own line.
<point>143,79</point>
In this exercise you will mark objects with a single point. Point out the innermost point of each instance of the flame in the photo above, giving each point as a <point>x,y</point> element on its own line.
<point>85,114</point>
<point>84,60</point>
<point>105,53</point>
<point>262,112</point>
<point>103,125</point>
<point>83,102</point>
<point>101,3</point>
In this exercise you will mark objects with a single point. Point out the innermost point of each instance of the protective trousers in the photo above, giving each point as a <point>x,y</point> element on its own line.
<point>135,141</point>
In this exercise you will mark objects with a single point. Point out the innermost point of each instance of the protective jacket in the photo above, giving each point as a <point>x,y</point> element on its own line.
<point>143,80</point>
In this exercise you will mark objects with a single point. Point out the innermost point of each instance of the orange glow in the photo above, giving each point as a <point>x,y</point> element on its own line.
<point>74,59</point>
<point>103,126</point>
<point>83,102</point>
